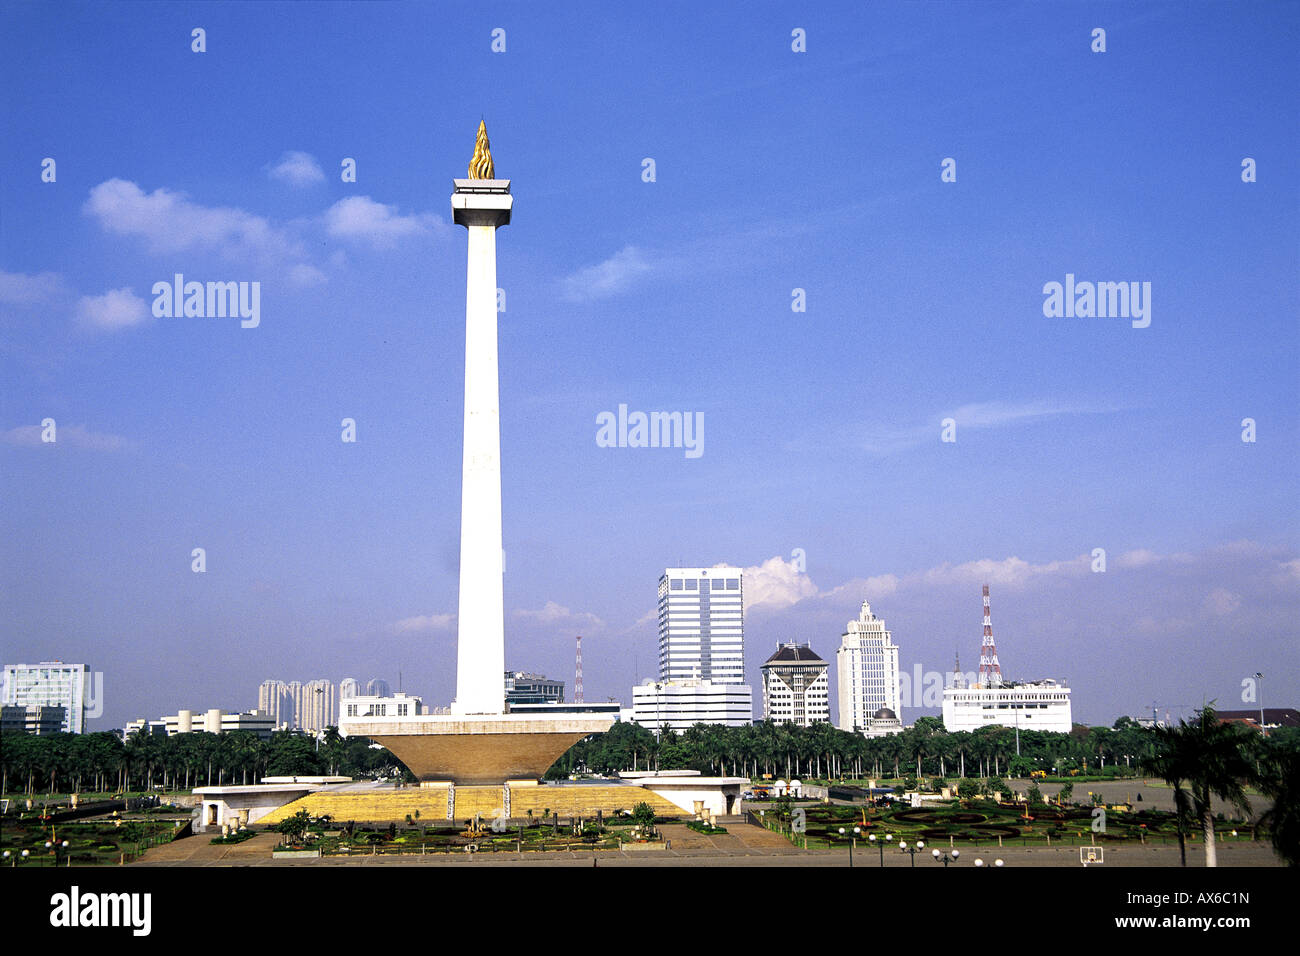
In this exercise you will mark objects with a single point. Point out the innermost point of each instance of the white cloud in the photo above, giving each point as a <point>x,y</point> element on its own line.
<point>1139,558</point>
<point>425,622</point>
<point>360,217</point>
<point>297,169</point>
<point>616,274</point>
<point>171,223</point>
<point>775,584</point>
<point>553,613</point>
<point>115,309</point>
<point>19,289</point>
<point>75,436</point>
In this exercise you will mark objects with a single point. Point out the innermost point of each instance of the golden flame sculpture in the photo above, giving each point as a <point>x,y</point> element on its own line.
<point>480,167</point>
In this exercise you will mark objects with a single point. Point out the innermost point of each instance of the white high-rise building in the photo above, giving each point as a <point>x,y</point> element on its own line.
<point>274,698</point>
<point>867,662</point>
<point>795,686</point>
<point>701,625</point>
<point>701,652</point>
<point>349,687</point>
<point>377,687</point>
<point>49,684</point>
<point>319,706</point>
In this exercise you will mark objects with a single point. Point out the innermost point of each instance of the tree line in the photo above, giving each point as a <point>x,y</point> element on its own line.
<point>102,762</point>
<point>822,751</point>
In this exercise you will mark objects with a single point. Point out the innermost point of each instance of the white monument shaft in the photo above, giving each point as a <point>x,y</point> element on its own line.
<point>482,206</point>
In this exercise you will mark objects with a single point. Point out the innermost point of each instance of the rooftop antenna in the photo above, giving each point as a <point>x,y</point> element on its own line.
<point>577,683</point>
<point>990,669</point>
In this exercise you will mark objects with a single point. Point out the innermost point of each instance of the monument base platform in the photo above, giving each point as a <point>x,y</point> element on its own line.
<point>385,806</point>
<point>477,750</point>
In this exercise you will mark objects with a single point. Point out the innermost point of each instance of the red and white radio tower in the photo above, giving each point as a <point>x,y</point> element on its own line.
<point>577,683</point>
<point>990,669</point>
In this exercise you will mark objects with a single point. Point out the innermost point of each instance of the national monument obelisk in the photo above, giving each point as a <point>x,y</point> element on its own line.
<point>481,204</point>
<point>480,742</point>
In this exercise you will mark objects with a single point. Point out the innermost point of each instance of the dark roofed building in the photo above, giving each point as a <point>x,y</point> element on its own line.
<point>1274,717</point>
<point>795,686</point>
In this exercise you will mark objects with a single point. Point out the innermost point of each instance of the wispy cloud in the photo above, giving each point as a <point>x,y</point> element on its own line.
<point>617,274</point>
<point>977,415</point>
<point>169,223</point>
<point>17,288</point>
<point>298,169</point>
<point>425,622</point>
<point>115,309</point>
<point>72,436</point>
<point>361,218</point>
<point>553,613</point>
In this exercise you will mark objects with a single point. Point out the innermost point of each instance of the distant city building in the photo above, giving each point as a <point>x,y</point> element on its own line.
<point>522,688</point>
<point>681,704</point>
<point>217,721</point>
<point>795,686</point>
<point>867,668</point>
<point>274,698</point>
<point>377,687</point>
<point>1030,705</point>
<point>349,687</point>
<point>883,723</point>
<point>1274,717</point>
<point>558,708</point>
<point>319,708</point>
<point>701,625</point>
<point>49,684</point>
<point>155,728</point>
<point>40,720</point>
<point>391,705</point>
<point>294,689</point>
<point>993,701</point>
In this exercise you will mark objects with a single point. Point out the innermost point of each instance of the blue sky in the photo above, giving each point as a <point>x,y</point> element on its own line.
<point>775,170</point>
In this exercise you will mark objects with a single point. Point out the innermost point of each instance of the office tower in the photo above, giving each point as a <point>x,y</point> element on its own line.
<point>525,688</point>
<point>378,687</point>
<point>795,686</point>
<point>867,662</point>
<point>49,684</point>
<point>701,625</point>
<point>349,687</point>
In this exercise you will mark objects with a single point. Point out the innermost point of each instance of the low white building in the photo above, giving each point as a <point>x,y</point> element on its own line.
<point>1030,705</point>
<point>388,705</point>
<point>691,790</point>
<point>682,704</point>
<point>236,805</point>
<point>217,721</point>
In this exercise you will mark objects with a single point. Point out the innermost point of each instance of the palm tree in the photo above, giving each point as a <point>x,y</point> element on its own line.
<point>1279,779</point>
<point>1208,756</point>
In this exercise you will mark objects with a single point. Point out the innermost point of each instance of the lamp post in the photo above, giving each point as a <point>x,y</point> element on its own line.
<point>889,838</point>
<point>980,863</point>
<point>911,850</point>
<point>944,858</point>
<point>853,839</point>
<point>1260,679</point>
